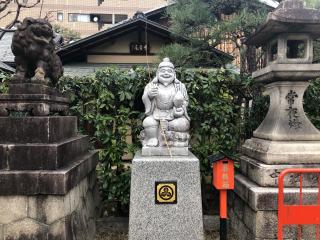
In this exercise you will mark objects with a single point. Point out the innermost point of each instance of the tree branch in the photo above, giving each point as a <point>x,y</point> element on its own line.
<point>19,7</point>
<point>4,4</point>
<point>7,30</point>
<point>25,4</point>
<point>7,14</point>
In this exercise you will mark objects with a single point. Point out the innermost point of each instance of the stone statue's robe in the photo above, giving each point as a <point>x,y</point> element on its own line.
<point>161,106</point>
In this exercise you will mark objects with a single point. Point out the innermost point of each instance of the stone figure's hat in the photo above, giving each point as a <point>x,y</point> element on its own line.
<point>166,63</point>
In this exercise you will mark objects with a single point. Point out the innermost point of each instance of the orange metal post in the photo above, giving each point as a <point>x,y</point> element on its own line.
<point>223,204</point>
<point>223,179</point>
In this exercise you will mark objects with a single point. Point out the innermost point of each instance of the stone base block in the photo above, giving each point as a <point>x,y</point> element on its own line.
<point>47,182</point>
<point>282,152</point>
<point>180,220</point>
<point>35,156</point>
<point>32,88</point>
<point>33,104</point>
<point>164,151</point>
<point>253,210</point>
<point>51,217</point>
<point>266,175</point>
<point>37,129</point>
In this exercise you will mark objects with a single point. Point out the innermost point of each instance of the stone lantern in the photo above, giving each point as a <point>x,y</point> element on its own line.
<point>286,138</point>
<point>286,135</point>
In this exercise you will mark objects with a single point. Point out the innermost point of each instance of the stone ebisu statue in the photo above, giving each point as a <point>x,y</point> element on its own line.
<point>166,100</point>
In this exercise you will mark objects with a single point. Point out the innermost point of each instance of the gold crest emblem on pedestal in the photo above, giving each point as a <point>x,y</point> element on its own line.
<point>166,192</point>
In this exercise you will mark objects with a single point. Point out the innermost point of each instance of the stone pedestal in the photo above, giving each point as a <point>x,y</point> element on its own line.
<point>286,135</point>
<point>180,220</point>
<point>285,139</point>
<point>253,210</point>
<point>47,173</point>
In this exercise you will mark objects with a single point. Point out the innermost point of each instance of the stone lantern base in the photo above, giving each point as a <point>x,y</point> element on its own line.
<point>285,139</point>
<point>253,211</point>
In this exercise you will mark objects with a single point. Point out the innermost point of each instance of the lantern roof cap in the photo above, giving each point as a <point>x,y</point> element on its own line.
<point>291,16</point>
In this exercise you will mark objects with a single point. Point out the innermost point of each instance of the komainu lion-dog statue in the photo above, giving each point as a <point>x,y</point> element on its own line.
<point>34,51</point>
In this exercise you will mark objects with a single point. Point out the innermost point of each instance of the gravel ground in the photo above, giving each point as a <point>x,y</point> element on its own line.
<point>111,228</point>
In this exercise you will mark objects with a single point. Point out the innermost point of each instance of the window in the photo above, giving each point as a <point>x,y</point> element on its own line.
<point>76,17</point>
<point>95,18</point>
<point>101,18</point>
<point>106,18</point>
<point>274,51</point>
<point>60,16</point>
<point>120,17</point>
<point>296,49</point>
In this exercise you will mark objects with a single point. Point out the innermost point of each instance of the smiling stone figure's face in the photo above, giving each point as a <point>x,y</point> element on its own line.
<point>166,75</point>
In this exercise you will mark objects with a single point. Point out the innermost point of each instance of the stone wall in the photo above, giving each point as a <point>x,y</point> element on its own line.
<point>51,217</point>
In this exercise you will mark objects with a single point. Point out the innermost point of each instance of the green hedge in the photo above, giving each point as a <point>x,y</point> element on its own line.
<point>4,78</point>
<point>110,101</point>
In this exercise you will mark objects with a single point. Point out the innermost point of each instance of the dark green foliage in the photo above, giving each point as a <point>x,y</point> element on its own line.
<point>190,56</point>
<point>67,34</point>
<point>202,21</point>
<point>313,3</point>
<point>228,7</point>
<point>109,102</point>
<point>4,77</point>
<point>182,56</point>
<point>312,102</point>
<point>190,17</point>
<point>215,117</point>
<point>105,105</point>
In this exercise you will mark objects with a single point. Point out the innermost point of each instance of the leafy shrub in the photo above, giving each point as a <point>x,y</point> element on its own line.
<point>109,102</point>
<point>109,107</point>
<point>312,103</point>
<point>4,77</point>
<point>105,105</point>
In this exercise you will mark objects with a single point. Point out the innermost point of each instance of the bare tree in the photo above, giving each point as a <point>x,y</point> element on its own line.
<point>7,11</point>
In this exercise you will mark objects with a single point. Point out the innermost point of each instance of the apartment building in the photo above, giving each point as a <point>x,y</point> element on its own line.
<point>86,16</point>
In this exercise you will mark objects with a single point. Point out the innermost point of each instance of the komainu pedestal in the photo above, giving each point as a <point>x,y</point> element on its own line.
<point>165,199</point>
<point>48,187</point>
<point>47,180</point>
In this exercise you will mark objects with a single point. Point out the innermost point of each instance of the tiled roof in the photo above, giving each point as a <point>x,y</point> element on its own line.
<point>138,20</point>
<point>6,54</point>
